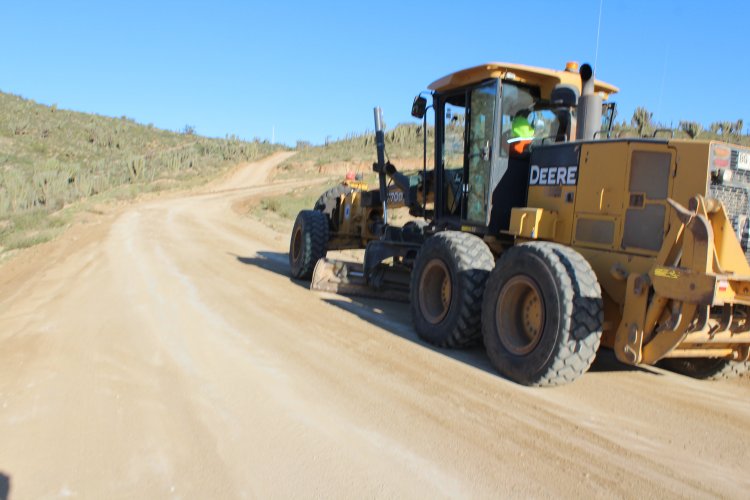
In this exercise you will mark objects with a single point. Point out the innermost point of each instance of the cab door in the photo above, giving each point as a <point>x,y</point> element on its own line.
<point>480,149</point>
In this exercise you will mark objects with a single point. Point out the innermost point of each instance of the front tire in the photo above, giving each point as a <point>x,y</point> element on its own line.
<point>308,242</point>
<point>328,203</point>
<point>447,285</point>
<point>542,314</point>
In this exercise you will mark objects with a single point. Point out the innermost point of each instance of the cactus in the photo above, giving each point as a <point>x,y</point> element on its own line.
<point>692,129</point>
<point>642,120</point>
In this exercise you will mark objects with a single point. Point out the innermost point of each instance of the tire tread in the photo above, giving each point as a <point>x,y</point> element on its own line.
<point>581,316</point>
<point>474,262</point>
<point>314,240</point>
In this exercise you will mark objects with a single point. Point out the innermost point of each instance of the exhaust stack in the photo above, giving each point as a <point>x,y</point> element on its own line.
<point>589,107</point>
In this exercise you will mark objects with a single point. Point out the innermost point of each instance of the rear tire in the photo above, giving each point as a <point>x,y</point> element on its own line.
<point>447,285</point>
<point>707,368</point>
<point>308,242</point>
<point>542,314</point>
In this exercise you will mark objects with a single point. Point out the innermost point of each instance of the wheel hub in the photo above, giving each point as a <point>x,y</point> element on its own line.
<point>297,245</point>
<point>519,315</point>
<point>435,291</point>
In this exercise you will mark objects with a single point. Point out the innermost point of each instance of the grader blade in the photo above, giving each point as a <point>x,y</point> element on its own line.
<point>338,276</point>
<point>348,278</point>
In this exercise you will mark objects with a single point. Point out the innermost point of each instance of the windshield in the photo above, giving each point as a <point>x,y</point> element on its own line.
<point>526,117</point>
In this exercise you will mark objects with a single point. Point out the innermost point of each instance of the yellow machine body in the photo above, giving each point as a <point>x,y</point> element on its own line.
<point>543,78</point>
<point>671,276</point>
<point>664,224</point>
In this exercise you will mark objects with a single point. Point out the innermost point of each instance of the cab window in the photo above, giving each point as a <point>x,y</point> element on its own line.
<point>526,118</point>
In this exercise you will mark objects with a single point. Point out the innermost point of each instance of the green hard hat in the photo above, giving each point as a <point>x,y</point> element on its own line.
<point>520,127</point>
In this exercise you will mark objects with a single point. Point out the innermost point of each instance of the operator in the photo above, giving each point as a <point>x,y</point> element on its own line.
<point>521,134</point>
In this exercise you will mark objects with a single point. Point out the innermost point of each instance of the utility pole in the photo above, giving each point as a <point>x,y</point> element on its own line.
<point>273,134</point>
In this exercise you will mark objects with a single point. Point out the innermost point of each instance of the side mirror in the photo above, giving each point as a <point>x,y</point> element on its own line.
<point>419,107</point>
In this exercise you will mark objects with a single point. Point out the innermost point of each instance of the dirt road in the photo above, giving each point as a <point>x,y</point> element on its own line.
<point>165,352</point>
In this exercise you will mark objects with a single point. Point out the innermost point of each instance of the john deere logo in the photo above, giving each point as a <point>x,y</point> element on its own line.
<point>553,176</point>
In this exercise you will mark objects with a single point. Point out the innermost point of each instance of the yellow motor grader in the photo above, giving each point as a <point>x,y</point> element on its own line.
<point>539,233</point>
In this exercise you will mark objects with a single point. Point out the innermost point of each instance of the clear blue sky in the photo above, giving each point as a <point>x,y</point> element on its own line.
<point>316,69</point>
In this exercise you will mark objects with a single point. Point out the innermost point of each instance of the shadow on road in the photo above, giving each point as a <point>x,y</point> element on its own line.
<point>4,486</point>
<point>276,262</point>
<point>395,317</point>
<point>607,362</point>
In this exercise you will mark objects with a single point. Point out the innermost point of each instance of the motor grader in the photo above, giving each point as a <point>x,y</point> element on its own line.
<point>549,239</point>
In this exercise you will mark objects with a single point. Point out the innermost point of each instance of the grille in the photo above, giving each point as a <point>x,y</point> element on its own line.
<point>740,176</point>
<point>736,199</point>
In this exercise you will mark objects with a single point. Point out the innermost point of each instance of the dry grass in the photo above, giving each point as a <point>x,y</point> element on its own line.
<point>279,212</point>
<point>354,153</point>
<point>50,158</point>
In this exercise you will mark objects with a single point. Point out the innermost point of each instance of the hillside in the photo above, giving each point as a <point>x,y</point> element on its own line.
<point>403,143</point>
<point>50,158</point>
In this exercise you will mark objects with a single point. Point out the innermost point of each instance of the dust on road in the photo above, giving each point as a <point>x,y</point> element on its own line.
<point>164,352</point>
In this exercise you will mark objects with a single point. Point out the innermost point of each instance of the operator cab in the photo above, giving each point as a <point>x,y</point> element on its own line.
<point>487,119</point>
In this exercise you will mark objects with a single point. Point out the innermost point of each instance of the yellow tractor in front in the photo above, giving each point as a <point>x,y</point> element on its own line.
<point>545,237</point>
